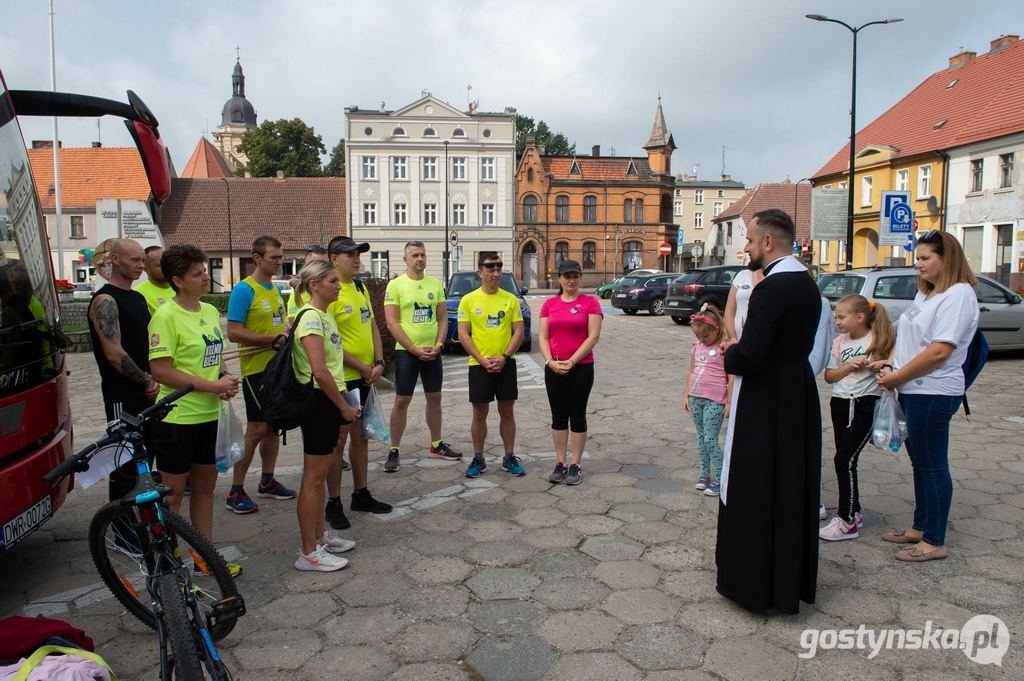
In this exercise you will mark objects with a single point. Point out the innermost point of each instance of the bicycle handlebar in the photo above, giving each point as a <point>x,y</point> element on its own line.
<point>115,434</point>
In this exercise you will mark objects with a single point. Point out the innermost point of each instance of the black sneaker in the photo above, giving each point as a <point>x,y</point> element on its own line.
<point>391,465</point>
<point>575,476</point>
<point>334,514</point>
<point>558,475</point>
<point>345,465</point>
<point>362,501</point>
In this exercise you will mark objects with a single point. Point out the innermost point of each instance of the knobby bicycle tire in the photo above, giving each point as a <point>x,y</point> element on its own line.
<point>124,573</point>
<point>179,629</point>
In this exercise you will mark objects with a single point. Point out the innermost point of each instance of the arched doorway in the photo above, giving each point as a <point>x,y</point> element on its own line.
<point>528,265</point>
<point>865,244</point>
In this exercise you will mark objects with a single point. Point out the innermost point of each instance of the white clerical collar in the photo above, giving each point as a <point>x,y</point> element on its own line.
<point>786,263</point>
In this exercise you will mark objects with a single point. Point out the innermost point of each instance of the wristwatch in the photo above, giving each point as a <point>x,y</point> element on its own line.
<point>379,363</point>
<point>507,357</point>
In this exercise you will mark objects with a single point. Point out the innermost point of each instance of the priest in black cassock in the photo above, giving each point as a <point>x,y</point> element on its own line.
<point>767,551</point>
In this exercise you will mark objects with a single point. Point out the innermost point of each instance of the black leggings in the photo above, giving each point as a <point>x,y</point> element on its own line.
<point>850,440</point>
<point>568,395</point>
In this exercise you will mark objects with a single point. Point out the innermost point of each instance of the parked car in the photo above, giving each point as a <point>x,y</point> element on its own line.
<point>1002,314</point>
<point>462,283</point>
<point>689,292</point>
<point>645,292</point>
<point>640,273</point>
<point>605,290</point>
<point>83,291</point>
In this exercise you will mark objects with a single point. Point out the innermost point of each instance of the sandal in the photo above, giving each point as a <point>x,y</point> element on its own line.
<point>916,555</point>
<point>901,537</point>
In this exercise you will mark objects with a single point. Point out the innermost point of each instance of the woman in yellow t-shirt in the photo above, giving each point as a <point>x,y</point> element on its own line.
<point>318,355</point>
<point>185,346</point>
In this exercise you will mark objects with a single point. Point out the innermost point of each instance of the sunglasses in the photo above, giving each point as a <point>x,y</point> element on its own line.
<point>493,265</point>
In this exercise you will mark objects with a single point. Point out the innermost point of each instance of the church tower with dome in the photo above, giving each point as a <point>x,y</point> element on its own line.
<point>237,118</point>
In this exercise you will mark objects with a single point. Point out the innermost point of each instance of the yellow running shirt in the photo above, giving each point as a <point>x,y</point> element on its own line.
<point>490,317</point>
<point>353,314</point>
<point>417,303</point>
<point>154,295</point>
<point>296,301</point>
<point>259,309</point>
<point>317,323</point>
<point>194,342</point>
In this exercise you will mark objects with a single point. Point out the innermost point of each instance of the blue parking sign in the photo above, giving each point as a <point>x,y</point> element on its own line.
<point>896,219</point>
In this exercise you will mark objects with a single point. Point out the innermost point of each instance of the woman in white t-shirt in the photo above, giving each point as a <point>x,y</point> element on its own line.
<point>739,298</point>
<point>927,368</point>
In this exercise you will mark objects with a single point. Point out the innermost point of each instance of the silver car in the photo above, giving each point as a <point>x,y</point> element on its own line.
<point>1002,314</point>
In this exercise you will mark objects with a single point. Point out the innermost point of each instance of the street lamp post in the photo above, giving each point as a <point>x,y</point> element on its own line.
<point>853,121</point>
<point>447,256</point>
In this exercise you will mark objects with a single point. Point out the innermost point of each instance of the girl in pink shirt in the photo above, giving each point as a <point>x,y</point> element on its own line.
<point>708,390</point>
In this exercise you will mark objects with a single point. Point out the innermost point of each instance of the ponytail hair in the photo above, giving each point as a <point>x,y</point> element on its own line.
<point>883,336</point>
<point>710,316</point>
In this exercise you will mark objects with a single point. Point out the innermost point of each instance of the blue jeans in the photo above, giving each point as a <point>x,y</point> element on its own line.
<point>707,417</point>
<point>928,419</point>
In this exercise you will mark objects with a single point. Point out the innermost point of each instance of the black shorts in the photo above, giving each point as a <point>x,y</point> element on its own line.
<point>362,386</point>
<point>321,427</point>
<point>486,387</point>
<point>177,447</point>
<point>408,368</point>
<point>250,391</point>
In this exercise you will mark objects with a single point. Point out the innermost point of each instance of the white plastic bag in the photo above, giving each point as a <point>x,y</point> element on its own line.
<point>375,427</point>
<point>889,428</point>
<point>230,438</point>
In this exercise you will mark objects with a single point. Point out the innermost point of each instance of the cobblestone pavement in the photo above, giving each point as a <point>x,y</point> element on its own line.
<point>513,578</point>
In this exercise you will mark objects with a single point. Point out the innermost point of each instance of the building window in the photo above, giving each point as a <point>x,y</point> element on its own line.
<point>369,167</point>
<point>401,214</point>
<point>458,132</point>
<point>430,167</point>
<point>430,213</point>
<point>530,209</point>
<point>458,213</point>
<point>924,182</point>
<point>562,209</point>
<point>823,251</point>
<point>398,165</point>
<point>679,192</point>
<point>459,168</point>
<point>902,180</point>
<point>720,193</point>
<point>77,227</point>
<point>1005,170</point>
<point>529,174</point>
<point>698,197</point>
<point>487,214</point>
<point>429,132</point>
<point>632,256</point>
<point>842,185</point>
<point>369,213</point>
<point>627,210</point>
<point>977,169</point>
<point>379,264</point>
<point>698,220</point>
<point>677,209</point>
<point>487,169</point>
<point>865,190</point>
<point>561,252</point>
<point>589,255</point>
<point>638,211</point>
<point>590,209</point>
<point>718,208</point>
<point>398,132</point>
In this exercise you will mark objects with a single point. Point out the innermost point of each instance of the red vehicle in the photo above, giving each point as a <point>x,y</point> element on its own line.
<point>35,418</point>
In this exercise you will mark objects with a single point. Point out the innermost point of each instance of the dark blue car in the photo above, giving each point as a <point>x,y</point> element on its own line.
<point>462,283</point>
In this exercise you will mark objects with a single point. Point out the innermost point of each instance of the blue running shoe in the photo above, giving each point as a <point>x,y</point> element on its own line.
<point>274,490</point>
<point>240,503</point>
<point>512,465</point>
<point>476,467</point>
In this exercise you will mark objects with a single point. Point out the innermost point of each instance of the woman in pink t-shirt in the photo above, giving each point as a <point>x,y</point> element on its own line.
<point>570,326</point>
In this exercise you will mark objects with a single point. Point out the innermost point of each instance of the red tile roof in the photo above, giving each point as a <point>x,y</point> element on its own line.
<point>206,161</point>
<point>795,199</point>
<point>601,168</point>
<point>89,173</point>
<point>298,210</point>
<point>986,101</point>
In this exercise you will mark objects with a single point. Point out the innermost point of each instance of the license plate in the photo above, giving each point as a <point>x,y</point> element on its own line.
<point>673,303</point>
<point>23,523</point>
<point>620,295</point>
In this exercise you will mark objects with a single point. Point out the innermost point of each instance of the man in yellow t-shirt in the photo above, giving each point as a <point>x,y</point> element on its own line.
<point>256,321</point>
<point>297,300</point>
<point>155,289</point>
<point>491,329</point>
<point>364,365</point>
<point>416,314</point>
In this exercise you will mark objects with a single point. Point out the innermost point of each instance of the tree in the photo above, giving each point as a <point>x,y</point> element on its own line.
<point>555,144</point>
<point>336,166</point>
<point>288,145</point>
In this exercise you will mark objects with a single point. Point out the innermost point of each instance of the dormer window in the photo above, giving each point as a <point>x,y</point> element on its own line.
<point>398,132</point>
<point>429,132</point>
<point>939,125</point>
<point>458,132</point>
<point>951,84</point>
<point>631,170</point>
<point>575,168</point>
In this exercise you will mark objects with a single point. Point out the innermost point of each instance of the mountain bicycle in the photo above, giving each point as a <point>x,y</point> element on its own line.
<point>137,544</point>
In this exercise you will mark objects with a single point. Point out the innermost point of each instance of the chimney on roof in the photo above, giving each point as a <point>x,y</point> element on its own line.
<point>541,149</point>
<point>595,150</point>
<point>1002,42</point>
<point>726,178</point>
<point>961,58</point>
<point>280,174</point>
<point>42,144</point>
<point>97,145</point>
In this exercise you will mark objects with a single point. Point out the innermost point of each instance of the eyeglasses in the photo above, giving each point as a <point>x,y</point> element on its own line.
<point>930,235</point>
<point>493,265</point>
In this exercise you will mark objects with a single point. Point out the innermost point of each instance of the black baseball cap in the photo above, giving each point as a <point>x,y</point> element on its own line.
<point>569,266</point>
<point>345,244</point>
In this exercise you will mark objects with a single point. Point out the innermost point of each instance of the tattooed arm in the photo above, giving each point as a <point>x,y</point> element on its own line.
<point>103,314</point>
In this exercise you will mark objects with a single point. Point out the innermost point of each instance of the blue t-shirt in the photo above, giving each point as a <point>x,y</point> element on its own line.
<point>241,300</point>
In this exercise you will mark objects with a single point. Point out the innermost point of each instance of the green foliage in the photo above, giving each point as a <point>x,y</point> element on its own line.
<point>288,145</point>
<point>555,144</point>
<point>218,300</point>
<point>336,166</point>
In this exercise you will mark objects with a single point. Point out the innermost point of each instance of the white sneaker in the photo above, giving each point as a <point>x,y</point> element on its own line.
<point>334,542</point>
<point>822,513</point>
<point>857,518</point>
<point>320,560</point>
<point>838,530</point>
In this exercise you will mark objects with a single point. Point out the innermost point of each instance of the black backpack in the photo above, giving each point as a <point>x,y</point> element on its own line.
<point>977,353</point>
<point>285,401</point>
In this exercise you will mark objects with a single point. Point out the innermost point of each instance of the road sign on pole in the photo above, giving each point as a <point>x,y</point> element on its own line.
<point>454,238</point>
<point>665,248</point>
<point>896,220</point>
<point>679,238</point>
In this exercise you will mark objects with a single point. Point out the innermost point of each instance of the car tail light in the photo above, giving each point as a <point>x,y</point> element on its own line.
<point>636,290</point>
<point>693,289</point>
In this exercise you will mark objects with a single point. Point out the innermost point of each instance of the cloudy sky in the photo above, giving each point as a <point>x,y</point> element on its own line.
<point>756,77</point>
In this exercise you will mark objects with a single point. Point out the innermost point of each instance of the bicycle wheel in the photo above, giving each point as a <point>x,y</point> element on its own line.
<point>117,553</point>
<point>178,629</point>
